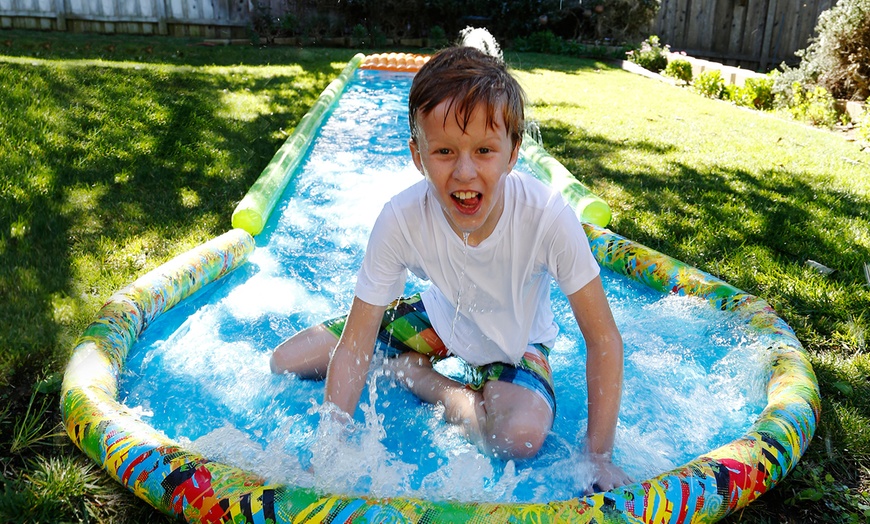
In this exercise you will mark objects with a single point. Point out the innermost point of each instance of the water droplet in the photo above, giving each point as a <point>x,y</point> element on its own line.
<point>465,235</point>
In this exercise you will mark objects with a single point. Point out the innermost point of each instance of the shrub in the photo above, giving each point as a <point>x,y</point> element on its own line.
<point>379,38</point>
<point>710,83</point>
<point>268,25</point>
<point>651,55</point>
<point>437,36</point>
<point>604,22</point>
<point>624,20</point>
<point>815,106</point>
<point>731,92</point>
<point>679,69</point>
<point>540,42</point>
<point>864,126</point>
<point>360,34</point>
<point>756,93</point>
<point>838,59</point>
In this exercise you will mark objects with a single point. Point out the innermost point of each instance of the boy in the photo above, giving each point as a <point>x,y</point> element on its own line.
<point>488,239</point>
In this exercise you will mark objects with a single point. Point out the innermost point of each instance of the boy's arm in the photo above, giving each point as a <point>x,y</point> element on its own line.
<point>604,369</point>
<point>350,360</point>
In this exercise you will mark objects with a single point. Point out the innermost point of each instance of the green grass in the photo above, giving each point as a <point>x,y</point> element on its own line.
<point>119,153</point>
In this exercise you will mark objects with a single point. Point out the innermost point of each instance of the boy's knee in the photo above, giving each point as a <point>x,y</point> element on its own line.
<point>516,438</point>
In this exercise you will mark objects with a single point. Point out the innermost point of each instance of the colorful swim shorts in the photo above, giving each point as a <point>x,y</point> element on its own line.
<point>406,327</point>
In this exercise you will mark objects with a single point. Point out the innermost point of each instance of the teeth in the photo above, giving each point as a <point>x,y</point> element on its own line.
<point>464,195</point>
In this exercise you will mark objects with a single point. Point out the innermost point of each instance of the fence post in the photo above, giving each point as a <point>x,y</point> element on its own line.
<point>60,10</point>
<point>768,34</point>
<point>162,27</point>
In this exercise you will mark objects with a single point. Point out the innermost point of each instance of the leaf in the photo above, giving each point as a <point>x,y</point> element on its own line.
<point>812,494</point>
<point>844,387</point>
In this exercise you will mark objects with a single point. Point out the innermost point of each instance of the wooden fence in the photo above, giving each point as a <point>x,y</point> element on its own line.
<point>198,18</point>
<point>756,34</point>
<point>759,34</point>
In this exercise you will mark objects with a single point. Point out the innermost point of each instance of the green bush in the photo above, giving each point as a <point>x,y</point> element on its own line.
<point>756,93</point>
<point>815,106</point>
<point>710,83</point>
<point>651,55</point>
<point>731,92</point>
<point>623,20</point>
<point>838,59</point>
<point>864,126</point>
<point>437,36</point>
<point>360,34</point>
<point>540,42</point>
<point>679,69</point>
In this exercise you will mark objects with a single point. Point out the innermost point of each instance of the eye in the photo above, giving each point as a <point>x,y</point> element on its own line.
<point>484,150</point>
<point>443,151</point>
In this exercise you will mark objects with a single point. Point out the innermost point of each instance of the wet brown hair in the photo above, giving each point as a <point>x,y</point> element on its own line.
<point>467,78</point>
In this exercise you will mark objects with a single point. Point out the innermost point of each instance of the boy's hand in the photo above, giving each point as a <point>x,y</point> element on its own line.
<point>607,474</point>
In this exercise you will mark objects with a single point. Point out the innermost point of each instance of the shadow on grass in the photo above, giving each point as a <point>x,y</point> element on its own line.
<point>143,158</point>
<point>104,173</point>
<point>705,217</point>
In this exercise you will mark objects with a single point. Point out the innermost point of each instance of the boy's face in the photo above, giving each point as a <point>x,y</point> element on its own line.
<point>466,170</point>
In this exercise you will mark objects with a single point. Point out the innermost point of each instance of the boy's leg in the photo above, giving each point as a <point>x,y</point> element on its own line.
<point>405,327</point>
<point>306,353</point>
<point>462,405</point>
<point>509,417</point>
<point>518,420</point>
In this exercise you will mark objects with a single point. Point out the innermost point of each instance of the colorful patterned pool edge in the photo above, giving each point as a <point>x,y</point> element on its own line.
<point>182,483</point>
<point>718,483</point>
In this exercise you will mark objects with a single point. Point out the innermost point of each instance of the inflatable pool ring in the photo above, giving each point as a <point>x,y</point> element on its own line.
<point>185,484</point>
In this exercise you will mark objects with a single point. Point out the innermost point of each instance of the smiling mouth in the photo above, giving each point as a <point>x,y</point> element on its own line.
<point>468,201</point>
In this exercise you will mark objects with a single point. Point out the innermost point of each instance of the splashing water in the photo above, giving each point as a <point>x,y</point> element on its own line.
<point>465,235</point>
<point>482,39</point>
<point>694,380</point>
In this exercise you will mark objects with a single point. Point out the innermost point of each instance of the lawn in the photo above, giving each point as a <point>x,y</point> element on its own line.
<point>119,153</point>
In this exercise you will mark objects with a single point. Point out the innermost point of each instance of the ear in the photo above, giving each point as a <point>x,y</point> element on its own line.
<point>415,154</point>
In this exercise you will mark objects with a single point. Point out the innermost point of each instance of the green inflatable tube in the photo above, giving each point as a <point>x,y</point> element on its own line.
<point>589,206</point>
<point>254,209</point>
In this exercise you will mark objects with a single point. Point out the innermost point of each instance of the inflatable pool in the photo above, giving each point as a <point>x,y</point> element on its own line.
<point>179,481</point>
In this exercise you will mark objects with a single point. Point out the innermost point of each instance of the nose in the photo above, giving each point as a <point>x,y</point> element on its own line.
<point>464,170</point>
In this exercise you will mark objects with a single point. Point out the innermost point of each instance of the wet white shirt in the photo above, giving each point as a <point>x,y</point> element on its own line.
<point>486,302</point>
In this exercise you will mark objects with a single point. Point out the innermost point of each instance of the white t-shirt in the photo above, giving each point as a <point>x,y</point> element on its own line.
<point>501,286</point>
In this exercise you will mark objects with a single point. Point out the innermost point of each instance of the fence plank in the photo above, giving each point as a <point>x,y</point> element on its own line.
<point>60,10</point>
<point>665,20</point>
<point>160,10</point>
<point>738,22</point>
<point>723,18</point>
<point>770,25</point>
<point>694,11</point>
